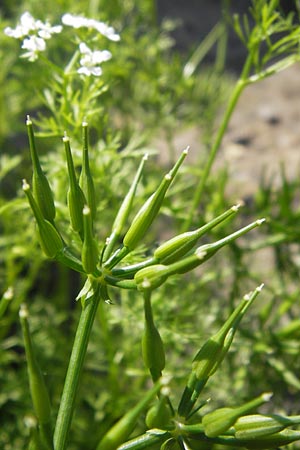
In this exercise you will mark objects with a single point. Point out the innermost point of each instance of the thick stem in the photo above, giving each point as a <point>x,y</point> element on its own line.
<point>81,340</point>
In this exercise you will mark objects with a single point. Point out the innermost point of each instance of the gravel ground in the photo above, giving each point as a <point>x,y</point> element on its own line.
<point>265,128</point>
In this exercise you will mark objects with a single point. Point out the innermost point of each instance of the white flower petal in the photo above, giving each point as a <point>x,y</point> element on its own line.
<point>34,43</point>
<point>84,48</point>
<point>80,21</point>
<point>27,22</point>
<point>15,33</point>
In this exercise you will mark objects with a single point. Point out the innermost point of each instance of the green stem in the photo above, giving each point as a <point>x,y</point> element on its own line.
<point>81,340</point>
<point>239,87</point>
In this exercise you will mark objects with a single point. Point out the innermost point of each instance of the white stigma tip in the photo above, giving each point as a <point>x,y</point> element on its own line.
<point>236,207</point>
<point>23,313</point>
<point>65,137</point>
<point>145,158</point>
<point>25,185</point>
<point>146,283</point>
<point>186,150</point>
<point>28,120</point>
<point>168,177</point>
<point>267,396</point>
<point>259,288</point>
<point>200,253</point>
<point>86,211</point>
<point>165,391</point>
<point>260,221</point>
<point>84,124</point>
<point>8,294</point>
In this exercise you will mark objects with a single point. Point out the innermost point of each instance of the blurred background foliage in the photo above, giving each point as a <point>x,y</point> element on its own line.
<point>150,96</point>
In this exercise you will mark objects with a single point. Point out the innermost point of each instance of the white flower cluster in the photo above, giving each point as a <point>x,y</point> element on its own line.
<point>35,33</point>
<point>83,22</point>
<point>90,60</point>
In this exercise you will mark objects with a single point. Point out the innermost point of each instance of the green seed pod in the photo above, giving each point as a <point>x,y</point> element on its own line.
<point>75,196</point>
<point>219,421</point>
<point>124,211</point>
<point>271,441</point>
<point>5,300</point>
<point>212,353</point>
<point>204,252</point>
<point>89,252</point>
<point>144,218</point>
<point>152,344</point>
<point>118,434</point>
<point>66,257</point>
<point>38,389</point>
<point>173,249</point>
<point>151,277</point>
<point>41,188</point>
<point>146,440</point>
<point>159,415</point>
<point>170,444</point>
<point>50,240</point>
<point>258,425</point>
<point>86,180</point>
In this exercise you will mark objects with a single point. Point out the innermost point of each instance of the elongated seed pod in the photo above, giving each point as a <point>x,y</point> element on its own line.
<point>5,300</point>
<point>86,181</point>
<point>41,188</point>
<point>50,240</point>
<point>152,344</point>
<point>124,211</point>
<point>154,275</point>
<point>118,434</point>
<point>211,354</point>
<point>170,444</point>
<point>89,251</point>
<point>205,252</point>
<point>38,389</point>
<point>159,415</point>
<point>219,421</point>
<point>178,246</point>
<point>66,257</point>
<point>75,196</point>
<point>146,440</point>
<point>144,218</point>
<point>151,277</point>
<point>258,425</point>
<point>271,441</point>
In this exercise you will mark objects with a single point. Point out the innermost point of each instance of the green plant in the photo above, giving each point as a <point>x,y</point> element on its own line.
<point>85,232</point>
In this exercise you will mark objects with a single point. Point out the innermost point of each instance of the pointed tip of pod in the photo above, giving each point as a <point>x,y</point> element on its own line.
<point>145,157</point>
<point>25,185</point>
<point>260,221</point>
<point>65,137</point>
<point>250,294</point>
<point>260,288</point>
<point>200,253</point>
<point>267,396</point>
<point>9,293</point>
<point>186,150</point>
<point>86,210</point>
<point>23,312</point>
<point>238,205</point>
<point>28,120</point>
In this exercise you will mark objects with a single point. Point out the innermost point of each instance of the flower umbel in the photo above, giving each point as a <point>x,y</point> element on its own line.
<point>34,33</point>
<point>83,22</point>
<point>33,45</point>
